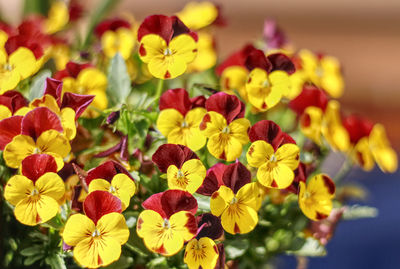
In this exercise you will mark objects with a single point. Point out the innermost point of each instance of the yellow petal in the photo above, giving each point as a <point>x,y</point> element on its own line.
<point>206,55</point>
<point>212,123</point>
<point>32,211</point>
<point>17,188</point>
<point>77,228</point>
<point>238,129</point>
<point>52,141</point>
<point>99,184</point>
<point>275,175</point>
<point>259,153</point>
<point>224,146</point>
<point>311,123</point>
<point>386,159</point>
<point>123,182</point>
<point>249,195</point>
<point>24,62</point>
<point>239,218</point>
<point>20,147</point>
<point>92,79</point>
<point>57,18</point>
<point>51,184</point>
<point>362,155</point>
<point>220,200</point>
<point>288,154</point>
<point>179,224</point>
<point>201,253</point>
<point>196,15</point>
<point>68,122</point>
<point>183,47</point>
<point>113,226</point>
<point>4,112</point>
<point>189,178</point>
<point>168,120</point>
<point>151,46</point>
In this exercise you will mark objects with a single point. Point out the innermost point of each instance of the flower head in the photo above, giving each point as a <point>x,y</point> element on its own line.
<point>166,45</point>
<point>224,126</point>
<point>98,235</point>
<point>35,193</point>
<point>315,198</point>
<point>168,221</point>
<point>180,118</point>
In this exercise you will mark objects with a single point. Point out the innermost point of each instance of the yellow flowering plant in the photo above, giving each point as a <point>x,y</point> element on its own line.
<point>136,146</point>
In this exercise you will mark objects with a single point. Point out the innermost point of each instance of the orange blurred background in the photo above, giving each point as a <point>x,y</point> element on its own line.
<point>364,35</point>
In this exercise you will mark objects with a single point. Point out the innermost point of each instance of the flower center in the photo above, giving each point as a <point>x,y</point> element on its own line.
<point>167,52</point>
<point>36,151</point>
<point>233,201</point>
<point>179,174</point>
<point>226,130</point>
<point>6,67</point>
<point>112,189</point>
<point>184,124</point>
<point>306,195</point>
<point>166,224</point>
<point>266,84</point>
<point>34,192</point>
<point>96,233</point>
<point>273,158</point>
<point>319,72</point>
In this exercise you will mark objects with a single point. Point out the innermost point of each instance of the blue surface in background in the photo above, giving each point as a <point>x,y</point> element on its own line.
<point>366,243</point>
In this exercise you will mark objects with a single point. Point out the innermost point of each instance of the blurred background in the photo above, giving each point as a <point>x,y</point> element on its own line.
<point>365,36</point>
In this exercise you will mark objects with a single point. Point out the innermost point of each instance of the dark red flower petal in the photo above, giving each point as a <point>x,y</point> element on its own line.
<point>213,179</point>
<point>227,105</point>
<point>235,176</point>
<point>172,154</point>
<point>236,59</point>
<point>282,62</point>
<point>110,25</point>
<point>221,257</point>
<point>257,59</point>
<point>75,10</point>
<point>310,96</point>
<point>13,100</point>
<point>300,175</point>
<point>36,165</point>
<point>78,102</point>
<point>173,201</point>
<point>209,226</point>
<point>164,26</point>
<point>357,127</point>
<point>72,69</point>
<point>198,101</point>
<point>53,87</point>
<point>170,202</point>
<point>100,203</point>
<point>154,203</point>
<point>177,99</point>
<point>270,132</point>
<point>106,171</point>
<point>38,120</point>
<point>9,128</point>
<point>15,42</point>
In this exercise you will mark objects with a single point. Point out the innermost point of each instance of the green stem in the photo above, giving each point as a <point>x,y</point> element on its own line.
<point>344,171</point>
<point>136,250</point>
<point>159,90</point>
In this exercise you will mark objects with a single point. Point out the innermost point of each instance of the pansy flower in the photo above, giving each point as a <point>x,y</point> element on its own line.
<point>324,71</point>
<point>116,35</point>
<point>236,201</point>
<point>114,178</point>
<point>274,153</point>
<point>68,106</point>
<point>36,191</point>
<point>233,72</point>
<point>85,79</point>
<point>202,251</point>
<point>315,197</point>
<point>15,67</point>
<point>180,118</point>
<point>184,170</point>
<point>166,45</point>
<point>12,103</point>
<point>225,126</point>
<point>269,79</point>
<point>97,236</point>
<point>39,131</point>
<point>197,15</point>
<point>168,221</point>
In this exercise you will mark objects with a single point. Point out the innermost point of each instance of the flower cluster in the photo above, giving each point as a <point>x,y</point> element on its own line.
<point>136,144</point>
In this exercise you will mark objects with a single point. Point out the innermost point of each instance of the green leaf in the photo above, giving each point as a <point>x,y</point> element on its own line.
<point>359,212</point>
<point>38,82</point>
<point>311,248</point>
<point>56,262</point>
<point>31,251</point>
<point>203,202</point>
<point>119,83</point>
